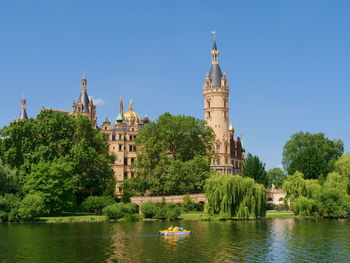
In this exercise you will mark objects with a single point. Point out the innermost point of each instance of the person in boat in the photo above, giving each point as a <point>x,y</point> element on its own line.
<point>176,228</point>
<point>170,228</point>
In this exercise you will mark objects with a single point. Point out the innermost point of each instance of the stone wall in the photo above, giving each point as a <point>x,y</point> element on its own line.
<point>273,196</point>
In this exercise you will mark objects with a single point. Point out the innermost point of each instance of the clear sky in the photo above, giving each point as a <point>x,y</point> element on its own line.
<point>288,62</point>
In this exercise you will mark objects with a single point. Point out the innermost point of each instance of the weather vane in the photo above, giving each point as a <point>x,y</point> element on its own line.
<point>214,34</point>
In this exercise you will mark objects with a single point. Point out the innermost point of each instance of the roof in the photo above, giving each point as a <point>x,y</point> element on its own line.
<point>23,115</point>
<point>84,99</point>
<point>215,75</point>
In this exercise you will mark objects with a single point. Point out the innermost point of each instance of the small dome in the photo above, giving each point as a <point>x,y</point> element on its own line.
<point>145,119</point>
<point>120,118</point>
<point>130,116</point>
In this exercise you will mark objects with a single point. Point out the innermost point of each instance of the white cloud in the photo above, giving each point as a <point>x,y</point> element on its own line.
<point>97,101</point>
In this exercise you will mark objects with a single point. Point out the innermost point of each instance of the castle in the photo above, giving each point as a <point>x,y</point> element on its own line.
<point>229,152</point>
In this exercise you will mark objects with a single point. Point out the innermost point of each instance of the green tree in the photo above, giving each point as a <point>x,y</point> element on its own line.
<point>56,182</point>
<point>173,156</point>
<point>8,180</point>
<point>235,197</point>
<point>254,168</point>
<point>276,176</point>
<point>342,166</point>
<point>57,137</point>
<point>311,154</point>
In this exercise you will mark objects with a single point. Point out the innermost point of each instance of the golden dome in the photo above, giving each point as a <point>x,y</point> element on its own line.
<point>130,116</point>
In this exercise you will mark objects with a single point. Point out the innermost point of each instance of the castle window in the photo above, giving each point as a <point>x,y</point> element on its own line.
<point>125,161</point>
<point>132,129</point>
<point>120,147</point>
<point>218,161</point>
<point>120,137</point>
<point>217,148</point>
<point>225,160</point>
<point>125,175</point>
<point>130,148</point>
<point>105,128</point>
<point>208,103</point>
<point>208,114</point>
<point>132,160</point>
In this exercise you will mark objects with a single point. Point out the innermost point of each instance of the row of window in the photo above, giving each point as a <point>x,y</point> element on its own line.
<point>224,102</point>
<point>209,114</point>
<point>120,137</point>
<point>121,147</point>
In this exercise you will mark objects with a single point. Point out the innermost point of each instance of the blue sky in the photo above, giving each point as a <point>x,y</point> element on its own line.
<point>288,62</point>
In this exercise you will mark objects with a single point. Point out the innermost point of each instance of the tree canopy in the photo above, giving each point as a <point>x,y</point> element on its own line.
<point>254,168</point>
<point>235,197</point>
<point>311,154</point>
<point>59,156</point>
<point>276,176</point>
<point>173,156</point>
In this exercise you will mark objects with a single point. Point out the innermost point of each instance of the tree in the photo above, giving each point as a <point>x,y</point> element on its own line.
<point>235,197</point>
<point>32,145</point>
<point>276,176</point>
<point>173,156</point>
<point>56,182</point>
<point>254,168</point>
<point>309,198</point>
<point>312,154</point>
<point>342,166</point>
<point>8,180</point>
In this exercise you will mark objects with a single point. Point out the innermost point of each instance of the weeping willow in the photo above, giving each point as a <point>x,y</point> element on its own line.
<point>235,197</point>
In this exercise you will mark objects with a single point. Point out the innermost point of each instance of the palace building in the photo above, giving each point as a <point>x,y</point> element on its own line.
<point>229,152</point>
<point>121,140</point>
<point>121,134</point>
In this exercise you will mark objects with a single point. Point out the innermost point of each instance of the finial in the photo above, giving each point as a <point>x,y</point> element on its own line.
<point>130,106</point>
<point>214,34</point>
<point>84,75</point>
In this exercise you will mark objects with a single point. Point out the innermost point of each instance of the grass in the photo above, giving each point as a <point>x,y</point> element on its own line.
<point>192,215</point>
<point>76,217</point>
<point>278,214</point>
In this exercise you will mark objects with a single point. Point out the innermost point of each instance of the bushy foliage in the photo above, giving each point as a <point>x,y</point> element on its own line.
<point>57,139</point>
<point>13,209</point>
<point>162,211</point>
<point>275,176</point>
<point>173,156</point>
<point>309,198</point>
<point>8,180</point>
<point>31,207</point>
<point>235,197</point>
<point>8,208</point>
<point>254,168</point>
<point>311,154</point>
<point>95,204</point>
<point>117,211</point>
<point>56,182</point>
<point>189,205</point>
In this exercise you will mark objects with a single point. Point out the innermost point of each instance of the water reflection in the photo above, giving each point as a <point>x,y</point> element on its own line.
<point>270,240</point>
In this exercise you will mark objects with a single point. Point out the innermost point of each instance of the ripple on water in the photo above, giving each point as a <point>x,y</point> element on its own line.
<point>275,240</point>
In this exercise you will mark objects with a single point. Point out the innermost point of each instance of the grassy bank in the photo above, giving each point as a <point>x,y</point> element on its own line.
<point>192,215</point>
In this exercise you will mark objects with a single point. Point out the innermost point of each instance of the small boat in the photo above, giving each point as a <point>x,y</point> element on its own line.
<point>174,231</point>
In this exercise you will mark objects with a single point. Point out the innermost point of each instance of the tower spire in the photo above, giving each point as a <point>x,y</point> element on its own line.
<point>121,106</point>
<point>23,113</point>
<point>215,71</point>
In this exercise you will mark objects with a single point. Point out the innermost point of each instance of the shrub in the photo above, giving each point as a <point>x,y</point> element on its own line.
<point>95,204</point>
<point>31,207</point>
<point>117,211</point>
<point>8,208</point>
<point>114,211</point>
<point>304,206</point>
<point>333,203</point>
<point>149,209</point>
<point>162,211</point>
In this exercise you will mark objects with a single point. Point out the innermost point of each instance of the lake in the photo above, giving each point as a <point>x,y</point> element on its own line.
<point>266,240</point>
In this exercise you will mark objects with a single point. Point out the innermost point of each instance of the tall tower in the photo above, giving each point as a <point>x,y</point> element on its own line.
<point>216,110</point>
<point>23,113</point>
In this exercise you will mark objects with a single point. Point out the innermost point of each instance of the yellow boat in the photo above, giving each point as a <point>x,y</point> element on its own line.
<point>174,231</point>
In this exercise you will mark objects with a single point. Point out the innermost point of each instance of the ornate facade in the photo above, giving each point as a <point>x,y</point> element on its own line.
<point>121,140</point>
<point>229,152</point>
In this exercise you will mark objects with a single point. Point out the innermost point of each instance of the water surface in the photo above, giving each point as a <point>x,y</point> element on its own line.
<point>268,240</point>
